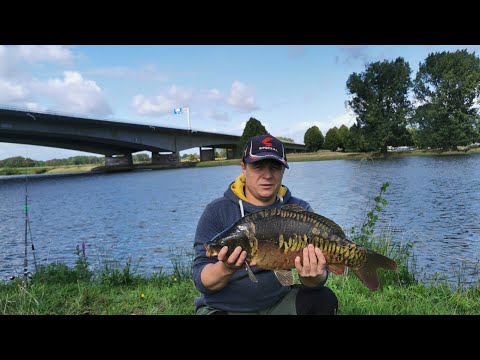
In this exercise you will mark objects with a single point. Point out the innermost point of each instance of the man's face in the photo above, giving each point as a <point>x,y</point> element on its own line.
<point>262,181</point>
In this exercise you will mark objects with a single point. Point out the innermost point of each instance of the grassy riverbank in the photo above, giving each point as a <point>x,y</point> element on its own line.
<point>59,290</point>
<point>316,156</point>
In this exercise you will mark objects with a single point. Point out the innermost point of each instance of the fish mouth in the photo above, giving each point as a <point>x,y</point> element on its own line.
<point>210,251</point>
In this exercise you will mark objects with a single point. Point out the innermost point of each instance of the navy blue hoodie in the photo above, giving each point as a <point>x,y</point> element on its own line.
<point>240,294</point>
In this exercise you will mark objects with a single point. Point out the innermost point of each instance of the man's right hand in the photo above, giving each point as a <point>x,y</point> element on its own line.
<point>235,261</point>
<point>216,276</point>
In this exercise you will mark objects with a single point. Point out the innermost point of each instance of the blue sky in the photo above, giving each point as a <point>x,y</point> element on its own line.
<point>288,88</point>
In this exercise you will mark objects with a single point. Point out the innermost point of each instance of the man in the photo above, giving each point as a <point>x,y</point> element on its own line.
<point>223,281</point>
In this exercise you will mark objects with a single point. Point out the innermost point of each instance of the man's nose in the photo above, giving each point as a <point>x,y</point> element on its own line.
<point>268,172</point>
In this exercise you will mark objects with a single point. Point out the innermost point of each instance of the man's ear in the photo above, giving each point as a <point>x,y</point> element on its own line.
<point>243,166</point>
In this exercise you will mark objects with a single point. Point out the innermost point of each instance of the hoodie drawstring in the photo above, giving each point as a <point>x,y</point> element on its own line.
<point>242,212</point>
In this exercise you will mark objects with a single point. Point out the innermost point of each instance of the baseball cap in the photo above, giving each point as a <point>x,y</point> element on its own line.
<point>263,147</point>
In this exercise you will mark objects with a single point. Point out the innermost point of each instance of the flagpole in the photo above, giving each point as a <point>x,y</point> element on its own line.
<point>188,118</point>
<point>180,111</point>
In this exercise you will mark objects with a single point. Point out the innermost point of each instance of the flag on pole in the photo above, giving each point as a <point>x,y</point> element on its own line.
<point>181,110</point>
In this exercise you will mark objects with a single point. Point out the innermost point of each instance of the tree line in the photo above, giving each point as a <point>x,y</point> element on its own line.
<point>21,162</point>
<point>438,108</point>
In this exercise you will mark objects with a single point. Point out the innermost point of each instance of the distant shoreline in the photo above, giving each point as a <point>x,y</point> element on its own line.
<point>321,155</point>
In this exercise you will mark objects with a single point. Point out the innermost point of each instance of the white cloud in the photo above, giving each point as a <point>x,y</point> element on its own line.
<point>242,97</point>
<point>15,61</point>
<point>146,73</point>
<point>158,105</point>
<point>210,103</point>
<point>162,105</point>
<point>75,94</point>
<point>35,107</point>
<point>72,93</point>
<point>12,92</point>
<point>45,53</point>
<point>214,94</point>
<point>11,65</point>
<point>4,61</point>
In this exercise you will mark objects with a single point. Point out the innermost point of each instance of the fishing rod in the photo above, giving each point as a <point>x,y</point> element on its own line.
<point>28,230</point>
<point>25,259</point>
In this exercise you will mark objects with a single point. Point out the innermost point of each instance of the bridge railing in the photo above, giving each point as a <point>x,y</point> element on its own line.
<point>59,113</point>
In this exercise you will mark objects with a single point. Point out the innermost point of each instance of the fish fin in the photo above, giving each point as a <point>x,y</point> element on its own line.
<point>337,269</point>
<point>368,272</point>
<point>284,276</point>
<point>332,224</point>
<point>323,219</point>
<point>251,275</point>
<point>292,207</point>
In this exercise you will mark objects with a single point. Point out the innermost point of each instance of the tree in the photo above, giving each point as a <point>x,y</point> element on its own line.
<point>342,135</point>
<point>220,153</point>
<point>332,139</point>
<point>313,139</point>
<point>380,101</point>
<point>355,140</point>
<point>447,86</point>
<point>141,158</point>
<point>285,139</point>
<point>252,128</point>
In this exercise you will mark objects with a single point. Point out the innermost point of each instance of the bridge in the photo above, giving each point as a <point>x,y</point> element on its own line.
<point>116,140</point>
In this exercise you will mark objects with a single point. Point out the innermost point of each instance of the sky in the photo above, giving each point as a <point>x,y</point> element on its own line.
<point>287,88</point>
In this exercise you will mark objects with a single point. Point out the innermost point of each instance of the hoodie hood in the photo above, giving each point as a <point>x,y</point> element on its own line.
<point>236,191</point>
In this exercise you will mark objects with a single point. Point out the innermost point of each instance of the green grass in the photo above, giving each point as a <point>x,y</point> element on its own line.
<point>59,290</point>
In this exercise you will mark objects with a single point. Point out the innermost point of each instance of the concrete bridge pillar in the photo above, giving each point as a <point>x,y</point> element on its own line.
<point>207,154</point>
<point>234,153</point>
<point>165,159</point>
<point>123,160</point>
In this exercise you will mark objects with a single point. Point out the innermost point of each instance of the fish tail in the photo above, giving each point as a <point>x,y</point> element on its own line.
<point>368,272</point>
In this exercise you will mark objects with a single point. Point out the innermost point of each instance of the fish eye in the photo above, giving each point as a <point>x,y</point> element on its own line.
<point>222,242</point>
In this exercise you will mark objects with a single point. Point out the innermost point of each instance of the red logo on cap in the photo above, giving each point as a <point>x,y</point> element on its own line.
<point>267,142</point>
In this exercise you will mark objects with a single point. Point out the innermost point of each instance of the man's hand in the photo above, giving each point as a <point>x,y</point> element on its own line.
<point>313,271</point>
<point>215,276</point>
<point>236,260</point>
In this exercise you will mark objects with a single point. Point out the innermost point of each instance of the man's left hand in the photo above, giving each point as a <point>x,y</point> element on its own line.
<point>313,265</point>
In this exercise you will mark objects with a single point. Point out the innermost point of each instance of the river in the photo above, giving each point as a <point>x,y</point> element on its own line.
<point>148,217</point>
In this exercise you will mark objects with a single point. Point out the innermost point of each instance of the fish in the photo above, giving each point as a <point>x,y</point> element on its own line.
<point>274,237</point>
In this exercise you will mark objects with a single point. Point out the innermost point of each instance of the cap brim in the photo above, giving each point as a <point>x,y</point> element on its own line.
<point>254,158</point>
